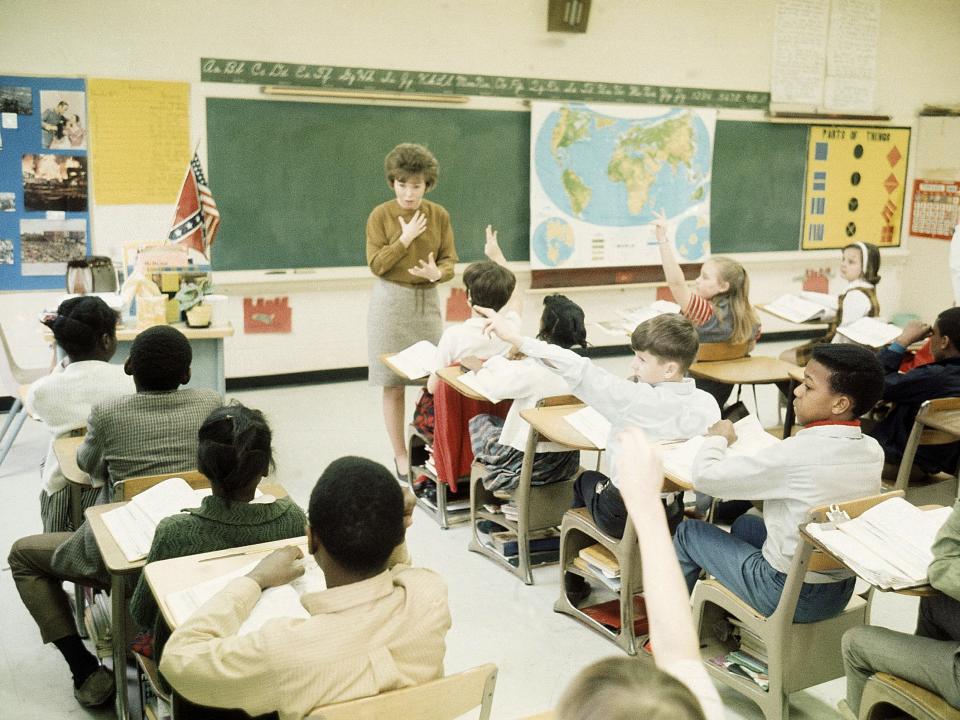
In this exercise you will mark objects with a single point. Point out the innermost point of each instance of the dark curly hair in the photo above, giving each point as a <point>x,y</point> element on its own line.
<point>562,322</point>
<point>234,447</point>
<point>79,324</point>
<point>160,358</point>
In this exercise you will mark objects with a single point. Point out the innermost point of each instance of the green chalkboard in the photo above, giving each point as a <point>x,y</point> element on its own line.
<point>295,181</point>
<point>756,201</point>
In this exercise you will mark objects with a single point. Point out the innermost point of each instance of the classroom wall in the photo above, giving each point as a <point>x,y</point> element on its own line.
<point>709,43</point>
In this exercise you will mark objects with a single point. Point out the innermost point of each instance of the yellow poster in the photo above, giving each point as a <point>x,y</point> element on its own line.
<point>855,184</point>
<point>140,140</point>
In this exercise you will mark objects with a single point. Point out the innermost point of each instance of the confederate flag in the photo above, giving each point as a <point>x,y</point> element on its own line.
<point>197,219</point>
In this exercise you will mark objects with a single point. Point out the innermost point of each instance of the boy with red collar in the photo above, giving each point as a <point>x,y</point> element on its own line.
<point>829,461</point>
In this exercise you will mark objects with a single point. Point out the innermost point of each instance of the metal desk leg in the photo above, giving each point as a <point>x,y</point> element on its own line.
<point>76,516</point>
<point>117,601</point>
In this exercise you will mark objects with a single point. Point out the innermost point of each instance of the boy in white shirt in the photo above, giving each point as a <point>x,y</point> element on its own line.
<point>662,402</point>
<point>829,461</point>
<point>489,284</point>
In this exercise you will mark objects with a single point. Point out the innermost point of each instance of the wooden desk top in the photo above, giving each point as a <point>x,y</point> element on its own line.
<point>113,556</point>
<point>167,576</point>
<point>549,422</point>
<point>65,449</point>
<point>753,370</point>
<point>796,373</point>
<point>126,333</point>
<point>925,590</point>
<point>451,376</point>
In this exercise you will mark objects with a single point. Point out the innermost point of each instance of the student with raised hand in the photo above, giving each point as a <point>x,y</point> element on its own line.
<point>626,688</point>
<point>410,249</point>
<point>85,328</point>
<point>829,461</point>
<point>860,267</point>
<point>379,626</point>
<point>150,432</point>
<point>234,452</point>
<point>662,402</point>
<point>499,444</point>
<point>718,304</point>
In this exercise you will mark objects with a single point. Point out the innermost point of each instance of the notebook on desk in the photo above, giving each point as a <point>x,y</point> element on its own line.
<point>751,439</point>
<point>416,361</point>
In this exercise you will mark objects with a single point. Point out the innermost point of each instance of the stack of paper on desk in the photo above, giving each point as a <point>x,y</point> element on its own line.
<point>751,439</point>
<point>417,361</point>
<point>798,309</point>
<point>888,545</point>
<point>591,424</point>
<point>134,524</point>
<point>870,332</point>
<point>283,601</point>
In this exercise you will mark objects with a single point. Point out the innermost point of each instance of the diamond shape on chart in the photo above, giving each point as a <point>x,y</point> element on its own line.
<point>891,184</point>
<point>893,157</point>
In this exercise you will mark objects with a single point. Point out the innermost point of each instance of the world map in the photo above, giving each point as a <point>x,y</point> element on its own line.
<point>599,177</point>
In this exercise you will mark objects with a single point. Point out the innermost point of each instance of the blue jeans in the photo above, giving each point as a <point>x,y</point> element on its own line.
<point>735,560</point>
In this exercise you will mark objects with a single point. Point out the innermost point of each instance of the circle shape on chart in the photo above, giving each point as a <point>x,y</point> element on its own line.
<point>858,151</point>
<point>853,204</point>
<point>693,238</point>
<point>554,242</point>
<point>855,179</point>
<point>851,229</point>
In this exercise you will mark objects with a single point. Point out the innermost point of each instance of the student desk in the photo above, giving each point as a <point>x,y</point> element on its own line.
<point>169,576</point>
<point>120,568</point>
<point>451,376</point>
<point>206,368</point>
<point>925,590</point>
<point>65,449</point>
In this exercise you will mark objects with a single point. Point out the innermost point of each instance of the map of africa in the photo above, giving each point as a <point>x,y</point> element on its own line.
<point>598,177</point>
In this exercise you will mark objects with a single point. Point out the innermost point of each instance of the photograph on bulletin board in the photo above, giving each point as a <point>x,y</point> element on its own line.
<point>855,186</point>
<point>44,180</point>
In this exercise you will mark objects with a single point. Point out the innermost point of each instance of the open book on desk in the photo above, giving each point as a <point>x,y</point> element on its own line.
<point>889,545</point>
<point>275,602</point>
<point>870,332</point>
<point>751,439</point>
<point>134,524</point>
<point>591,424</point>
<point>417,361</point>
<point>802,308</point>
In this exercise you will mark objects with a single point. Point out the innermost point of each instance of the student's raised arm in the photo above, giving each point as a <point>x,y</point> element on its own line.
<point>494,253</point>
<point>640,478</point>
<point>671,266</point>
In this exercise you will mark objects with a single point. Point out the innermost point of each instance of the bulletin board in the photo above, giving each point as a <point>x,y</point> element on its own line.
<point>44,180</point>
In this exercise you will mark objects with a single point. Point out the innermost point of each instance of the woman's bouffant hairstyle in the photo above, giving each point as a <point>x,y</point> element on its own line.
<point>79,324</point>
<point>745,320</point>
<point>627,689</point>
<point>409,159</point>
<point>562,322</point>
<point>869,260</point>
<point>234,447</point>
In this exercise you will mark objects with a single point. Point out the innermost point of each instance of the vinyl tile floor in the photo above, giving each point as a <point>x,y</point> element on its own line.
<point>496,618</point>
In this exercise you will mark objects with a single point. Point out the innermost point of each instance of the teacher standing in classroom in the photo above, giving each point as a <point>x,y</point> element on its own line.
<point>410,249</point>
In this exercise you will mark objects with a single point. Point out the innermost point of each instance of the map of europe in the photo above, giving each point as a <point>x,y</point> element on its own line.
<point>601,176</point>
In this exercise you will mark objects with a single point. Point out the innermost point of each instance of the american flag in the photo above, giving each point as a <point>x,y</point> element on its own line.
<point>196,220</point>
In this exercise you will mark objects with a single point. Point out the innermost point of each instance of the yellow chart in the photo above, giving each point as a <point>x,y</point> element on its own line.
<point>855,186</point>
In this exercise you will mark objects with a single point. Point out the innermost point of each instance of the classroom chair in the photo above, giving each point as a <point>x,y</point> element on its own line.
<point>443,699</point>
<point>799,655</point>
<point>714,352</point>
<point>15,381</point>
<point>578,531</point>
<point>440,509</point>
<point>937,423</point>
<point>151,689</point>
<point>131,487</point>
<point>539,507</point>
<point>886,697</point>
